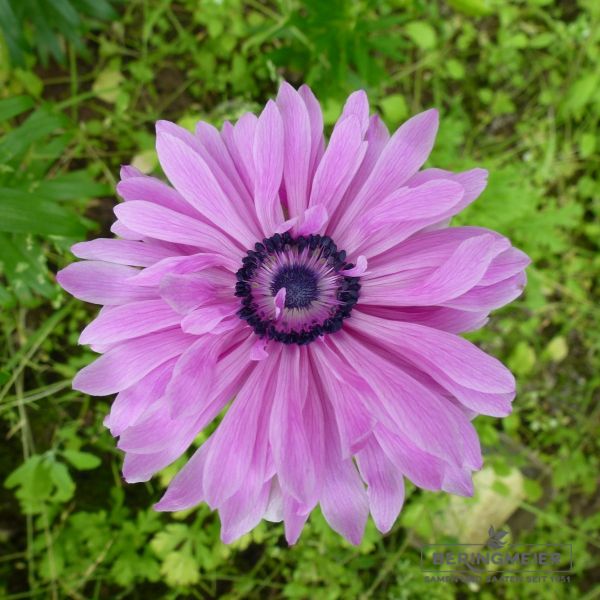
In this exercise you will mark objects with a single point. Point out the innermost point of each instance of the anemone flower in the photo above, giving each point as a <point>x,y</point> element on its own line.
<point>315,290</point>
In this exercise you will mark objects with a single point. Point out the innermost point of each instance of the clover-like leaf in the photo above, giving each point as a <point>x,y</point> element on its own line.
<point>495,538</point>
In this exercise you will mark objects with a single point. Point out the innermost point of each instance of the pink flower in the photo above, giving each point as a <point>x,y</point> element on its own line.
<point>320,287</point>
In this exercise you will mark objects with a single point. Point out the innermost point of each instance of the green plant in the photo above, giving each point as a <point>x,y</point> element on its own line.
<point>44,26</point>
<point>516,84</point>
<point>40,201</point>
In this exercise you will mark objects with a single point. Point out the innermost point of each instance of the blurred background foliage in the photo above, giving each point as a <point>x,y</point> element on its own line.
<point>81,84</point>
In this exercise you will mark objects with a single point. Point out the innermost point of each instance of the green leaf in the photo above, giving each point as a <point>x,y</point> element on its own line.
<point>65,487</point>
<point>581,93</point>
<point>131,566</point>
<point>107,85</point>
<point>455,69</point>
<point>82,460</point>
<point>522,359</point>
<point>13,33</point>
<point>11,107</point>
<point>474,8</point>
<point>25,212</point>
<point>422,34</point>
<point>50,23</point>
<point>71,186</point>
<point>37,126</point>
<point>40,480</point>
<point>180,569</point>
<point>533,490</point>
<point>500,488</point>
<point>99,9</point>
<point>167,540</point>
<point>557,349</point>
<point>23,264</point>
<point>394,108</point>
<point>587,144</point>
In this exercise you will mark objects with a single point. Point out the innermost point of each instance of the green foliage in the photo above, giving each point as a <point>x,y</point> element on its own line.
<point>40,201</point>
<point>44,26</point>
<point>40,481</point>
<point>517,87</point>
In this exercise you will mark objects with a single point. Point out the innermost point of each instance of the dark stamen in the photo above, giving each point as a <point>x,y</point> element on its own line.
<point>301,285</point>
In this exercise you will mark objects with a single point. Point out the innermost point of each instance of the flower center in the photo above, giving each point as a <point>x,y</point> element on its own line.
<point>300,284</point>
<point>294,290</point>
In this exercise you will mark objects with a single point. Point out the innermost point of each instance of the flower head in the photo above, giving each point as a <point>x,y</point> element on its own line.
<point>319,289</point>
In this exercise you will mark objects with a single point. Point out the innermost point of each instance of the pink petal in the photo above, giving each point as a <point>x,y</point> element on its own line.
<point>186,488</point>
<point>131,403</point>
<point>290,445</point>
<point>423,469</point>
<point>297,148</point>
<point>343,498</point>
<point>243,133</point>
<point>164,224</point>
<point>506,265</point>
<point>141,467</point>
<point>490,297</point>
<point>426,249</point>
<point>354,421</point>
<point>138,468</point>
<point>286,225</point>
<point>123,252</point>
<point>315,219</point>
<point>403,213</point>
<point>458,481</point>
<point>279,302</point>
<point>385,485</point>
<point>122,231</point>
<point>376,137</point>
<point>447,319</point>
<point>458,358</point>
<point>274,510</point>
<point>128,171</point>
<point>179,265</point>
<point>401,158</point>
<point>472,181</point>
<point>195,371</point>
<point>128,362</point>
<point>359,269</point>
<point>159,430</point>
<point>315,117</point>
<point>452,361</point>
<point>294,519</point>
<point>129,321</point>
<point>214,144</point>
<point>236,205</point>
<point>189,291</point>
<point>206,319</point>
<point>102,283</point>
<point>409,406</point>
<point>189,172</point>
<point>312,414</point>
<point>339,164</point>
<point>150,189</point>
<point>259,351</point>
<point>461,271</point>
<point>268,160</point>
<point>244,510</point>
<point>234,440</point>
<point>356,105</point>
